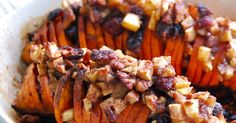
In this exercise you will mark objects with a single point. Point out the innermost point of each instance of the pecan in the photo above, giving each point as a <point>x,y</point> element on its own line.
<point>105,74</point>
<point>103,56</point>
<point>113,26</point>
<point>94,93</point>
<point>127,79</point>
<point>145,69</point>
<point>143,85</point>
<point>163,83</point>
<point>132,97</point>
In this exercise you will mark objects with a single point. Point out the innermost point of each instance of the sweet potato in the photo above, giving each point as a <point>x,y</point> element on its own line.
<point>51,33</point>
<point>37,38</point>
<point>143,115</point>
<point>78,95</point>
<point>118,41</point>
<point>96,114</point>
<point>27,100</point>
<point>62,96</point>
<point>198,73</point>
<point>155,45</point>
<point>43,33</point>
<point>61,36</point>
<point>233,83</point>
<point>109,40</point>
<point>169,47</point>
<point>46,95</point>
<point>25,55</point>
<point>134,113</point>
<point>86,116</point>
<point>99,35</point>
<point>176,50</point>
<point>146,48</point>
<point>81,32</point>
<point>179,59</point>
<point>124,114</point>
<point>91,35</point>
<point>193,60</point>
<point>104,118</point>
<point>230,82</point>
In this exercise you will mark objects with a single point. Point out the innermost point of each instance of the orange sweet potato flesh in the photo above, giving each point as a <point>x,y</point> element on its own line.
<point>155,45</point>
<point>169,47</point>
<point>61,36</point>
<point>51,33</point>
<point>46,95</point>
<point>96,114</point>
<point>86,116</point>
<point>118,41</point>
<point>81,32</point>
<point>27,100</point>
<point>43,33</point>
<point>99,34</point>
<point>104,118</point>
<point>124,114</point>
<point>179,59</point>
<point>109,40</point>
<point>134,113</point>
<point>91,35</point>
<point>143,115</point>
<point>146,45</point>
<point>25,55</point>
<point>62,97</point>
<point>78,95</point>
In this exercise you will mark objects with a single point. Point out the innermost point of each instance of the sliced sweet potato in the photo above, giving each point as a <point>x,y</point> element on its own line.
<point>27,100</point>
<point>91,35</point>
<point>146,44</point>
<point>118,41</point>
<point>169,47</point>
<point>176,50</point>
<point>81,32</point>
<point>193,60</point>
<point>43,33</point>
<point>61,36</point>
<point>46,95</point>
<point>78,95</point>
<point>134,113</point>
<point>109,40</point>
<point>155,45</point>
<point>51,33</point>
<point>62,97</point>
<point>104,118</point>
<point>143,115</point>
<point>99,34</point>
<point>86,116</point>
<point>124,114</point>
<point>25,55</point>
<point>178,63</point>
<point>198,73</point>
<point>96,114</point>
<point>230,82</point>
<point>233,84</point>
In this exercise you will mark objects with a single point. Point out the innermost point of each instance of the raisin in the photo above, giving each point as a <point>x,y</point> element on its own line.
<point>217,109</point>
<point>72,53</point>
<point>203,11</point>
<point>165,30</point>
<point>178,30</point>
<point>30,36</point>
<point>163,83</point>
<point>113,26</point>
<point>55,13</point>
<point>71,33</point>
<point>135,40</point>
<point>136,10</point>
<point>204,22</point>
<point>103,56</point>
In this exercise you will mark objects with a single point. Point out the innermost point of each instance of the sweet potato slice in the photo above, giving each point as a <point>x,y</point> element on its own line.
<point>91,35</point>
<point>146,48</point>
<point>86,116</point>
<point>51,33</point>
<point>109,40</point>
<point>96,114</point>
<point>81,32</point>
<point>193,60</point>
<point>233,83</point>
<point>25,55</point>
<point>175,52</point>
<point>169,47</point>
<point>230,82</point>
<point>178,63</point>
<point>104,118</point>
<point>99,35</point>
<point>62,96</point>
<point>155,45</point>
<point>134,113</point>
<point>143,115</point>
<point>118,41</point>
<point>46,95</point>
<point>198,73</point>
<point>43,33</point>
<point>78,95</point>
<point>124,114</point>
<point>61,36</point>
<point>27,100</point>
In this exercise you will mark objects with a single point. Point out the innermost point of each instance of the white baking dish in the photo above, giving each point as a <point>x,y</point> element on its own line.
<point>13,29</point>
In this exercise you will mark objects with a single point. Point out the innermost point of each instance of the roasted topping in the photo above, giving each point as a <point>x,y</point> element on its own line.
<point>127,79</point>
<point>143,85</point>
<point>72,53</point>
<point>132,97</point>
<point>113,26</point>
<point>145,69</point>
<point>102,56</point>
<point>163,83</point>
<point>162,66</point>
<point>217,110</point>
<point>131,22</point>
<point>55,13</point>
<point>165,30</point>
<point>135,40</point>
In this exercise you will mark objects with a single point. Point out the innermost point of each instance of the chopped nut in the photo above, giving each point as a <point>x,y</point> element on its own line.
<point>55,62</point>
<point>152,21</point>
<point>233,62</point>
<point>176,112</point>
<point>204,53</point>
<point>211,101</point>
<point>145,69</point>
<point>127,79</point>
<point>232,26</point>
<point>68,115</point>
<point>120,91</point>
<point>37,53</point>
<point>185,91</point>
<point>191,108</point>
<point>106,88</point>
<point>151,102</point>
<point>132,97</point>
<point>91,75</point>
<point>104,74</point>
<point>181,82</point>
<point>229,72</point>
<point>94,93</point>
<point>164,7</point>
<point>87,104</point>
<point>143,85</point>
<point>131,22</point>
<point>190,34</point>
<point>215,28</point>
<point>162,66</point>
<point>52,50</point>
<point>208,66</point>
<point>225,35</point>
<point>201,95</point>
<point>187,22</point>
<point>150,6</point>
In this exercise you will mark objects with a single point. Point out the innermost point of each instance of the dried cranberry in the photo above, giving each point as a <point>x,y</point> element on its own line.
<point>165,30</point>
<point>217,109</point>
<point>136,10</point>
<point>75,8</point>
<point>178,30</point>
<point>55,13</point>
<point>203,11</point>
<point>204,22</point>
<point>103,56</point>
<point>72,53</point>
<point>113,26</point>
<point>71,33</point>
<point>134,41</point>
<point>95,15</point>
<point>97,2</point>
<point>163,83</point>
<point>112,14</point>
